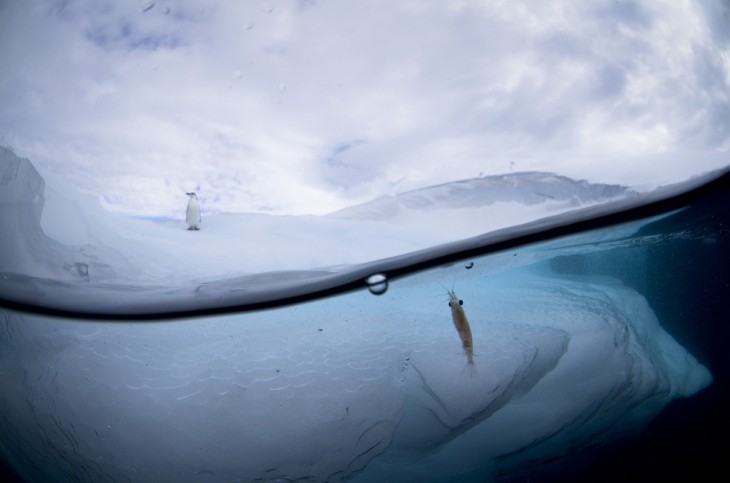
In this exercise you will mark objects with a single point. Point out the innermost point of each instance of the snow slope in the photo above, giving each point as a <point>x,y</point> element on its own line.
<point>557,193</point>
<point>112,247</point>
<point>80,254</point>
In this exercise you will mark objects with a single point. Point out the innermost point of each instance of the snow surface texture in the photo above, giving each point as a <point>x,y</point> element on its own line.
<point>63,248</point>
<point>353,387</point>
<point>75,238</point>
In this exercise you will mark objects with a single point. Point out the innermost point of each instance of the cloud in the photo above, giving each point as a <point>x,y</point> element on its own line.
<point>299,107</point>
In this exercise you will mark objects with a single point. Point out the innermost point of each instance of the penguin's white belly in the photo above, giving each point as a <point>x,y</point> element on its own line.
<point>193,214</point>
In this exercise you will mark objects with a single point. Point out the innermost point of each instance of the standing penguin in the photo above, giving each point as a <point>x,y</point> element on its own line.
<point>192,218</point>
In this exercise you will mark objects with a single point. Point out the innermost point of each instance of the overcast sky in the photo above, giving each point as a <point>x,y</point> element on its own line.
<point>294,107</point>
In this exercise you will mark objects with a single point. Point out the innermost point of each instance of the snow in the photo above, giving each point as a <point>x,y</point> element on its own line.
<point>81,255</point>
<point>231,245</point>
<point>353,386</point>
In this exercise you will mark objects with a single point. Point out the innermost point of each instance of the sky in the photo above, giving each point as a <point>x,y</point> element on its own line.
<point>307,107</point>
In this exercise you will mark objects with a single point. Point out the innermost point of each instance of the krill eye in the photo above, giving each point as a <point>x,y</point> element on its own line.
<point>449,303</point>
<point>461,302</point>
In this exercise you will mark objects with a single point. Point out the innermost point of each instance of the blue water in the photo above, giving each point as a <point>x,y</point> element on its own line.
<point>680,263</point>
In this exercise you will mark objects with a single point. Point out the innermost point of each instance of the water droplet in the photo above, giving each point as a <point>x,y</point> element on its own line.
<point>377,284</point>
<point>469,265</point>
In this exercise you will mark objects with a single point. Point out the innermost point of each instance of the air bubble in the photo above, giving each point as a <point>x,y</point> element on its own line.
<point>377,284</point>
<point>469,265</point>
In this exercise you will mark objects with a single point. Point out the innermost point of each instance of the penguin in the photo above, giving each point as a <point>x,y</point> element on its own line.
<point>192,218</point>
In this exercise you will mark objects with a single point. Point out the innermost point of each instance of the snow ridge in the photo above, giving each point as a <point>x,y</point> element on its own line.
<point>527,188</point>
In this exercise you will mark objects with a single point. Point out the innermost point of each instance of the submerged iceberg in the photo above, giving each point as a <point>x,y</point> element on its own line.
<point>374,388</point>
<point>350,386</point>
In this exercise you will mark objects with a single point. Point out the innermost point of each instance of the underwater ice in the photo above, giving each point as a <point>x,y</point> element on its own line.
<point>359,387</point>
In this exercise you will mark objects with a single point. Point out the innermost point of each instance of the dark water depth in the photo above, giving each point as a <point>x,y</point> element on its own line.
<point>686,279</point>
